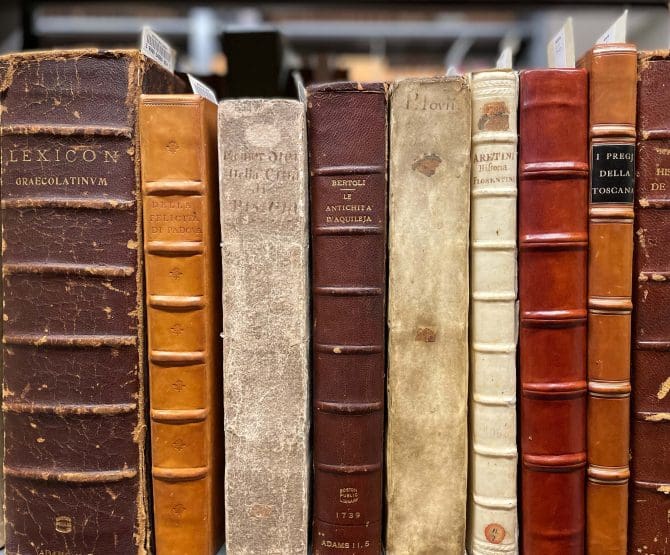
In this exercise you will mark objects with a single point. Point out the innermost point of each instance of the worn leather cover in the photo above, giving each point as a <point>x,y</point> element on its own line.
<point>428,341</point>
<point>181,245</point>
<point>347,139</point>
<point>553,183</point>
<point>264,222</point>
<point>73,346</point>
<point>649,530</point>
<point>612,91</point>
<point>492,515</point>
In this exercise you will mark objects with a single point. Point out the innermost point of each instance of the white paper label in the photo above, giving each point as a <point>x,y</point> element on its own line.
<point>616,32</point>
<point>561,48</point>
<point>157,49</point>
<point>505,59</point>
<point>199,88</point>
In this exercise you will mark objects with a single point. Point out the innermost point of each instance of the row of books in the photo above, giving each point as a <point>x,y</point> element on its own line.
<point>368,268</point>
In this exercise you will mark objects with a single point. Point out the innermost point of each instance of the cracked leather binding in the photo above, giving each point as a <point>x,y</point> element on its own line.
<point>428,340</point>
<point>347,160</point>
<point>182,257</point>
<point>649,531</point>
<point>265,229</point>
<point>553,182</point>
<point>492,526</point>
<point>73,345</point>
<point>612,72</point>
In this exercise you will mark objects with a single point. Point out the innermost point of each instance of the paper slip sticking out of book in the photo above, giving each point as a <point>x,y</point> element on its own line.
<point>154,47</point>
<point>561,48</point>
<point>505,59</point>
<point>616,32</point>
<point>199,88</point>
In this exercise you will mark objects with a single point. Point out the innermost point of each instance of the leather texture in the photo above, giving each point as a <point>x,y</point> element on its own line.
<point>182,257</point>
<point>73,345</point>
<point>492,526</point>
<point>553,182</point>
<point>649,526</point>
<point>265,230</point>
<point>426,439</point>
<point>347,137</point>
<point>612,72</point>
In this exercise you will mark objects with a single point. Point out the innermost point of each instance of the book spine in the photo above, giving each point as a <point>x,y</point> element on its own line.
<point>347,134</point>
<point>264,222</point>
<point>73,286</point>
<point>181,247</point>
<point>612,90</point>
<point>428,341</point>
<point>553,183</point>
<point>493,334</point>
<point>650,434</point>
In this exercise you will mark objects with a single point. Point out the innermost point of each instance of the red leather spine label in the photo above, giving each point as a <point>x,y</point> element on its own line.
<point>649,525</point>
<point>553,196</point>
<point>347,125</point>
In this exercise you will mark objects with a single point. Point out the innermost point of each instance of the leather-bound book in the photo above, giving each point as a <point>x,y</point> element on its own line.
<point>612,72</point>
<point>183,303</point>
<point>492,523</point>
<point>73,346</point>
<point>428,340</point>
<point>347,138</point>
<point>264,223</point>
<point>649,528</point>
<point>553,193</point>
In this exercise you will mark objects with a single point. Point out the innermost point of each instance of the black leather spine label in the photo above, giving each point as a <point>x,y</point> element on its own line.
<point>612,173</point>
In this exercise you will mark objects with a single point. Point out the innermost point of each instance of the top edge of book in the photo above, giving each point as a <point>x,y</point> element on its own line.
<point>434,79</point>
<point>349,86</point>
<point>183,98</point>
<point>568,70</point>
<point>651,55</point>
<point>258,100</point>
<point>75,53</point>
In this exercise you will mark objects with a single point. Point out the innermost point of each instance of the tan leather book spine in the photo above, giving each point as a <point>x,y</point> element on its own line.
<point>429,215</point>
<point>492,523</point>
<point>612,103</point>
<point>264,225</point>
<point>181,242</point>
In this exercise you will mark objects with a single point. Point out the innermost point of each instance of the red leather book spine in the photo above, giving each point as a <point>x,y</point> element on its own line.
<point>649,511</point>
<point>347,161</point>
<point>553,208</point>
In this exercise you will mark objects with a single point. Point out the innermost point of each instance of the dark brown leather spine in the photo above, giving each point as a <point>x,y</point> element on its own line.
<point>612,91</point>
<point>553,181</point>
<point>73,345</point>
<point>649,530</point>
<point>347,161</point>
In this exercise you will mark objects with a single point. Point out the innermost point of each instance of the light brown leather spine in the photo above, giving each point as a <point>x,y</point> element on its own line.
<point>181,242</point>
<point>612,85</point>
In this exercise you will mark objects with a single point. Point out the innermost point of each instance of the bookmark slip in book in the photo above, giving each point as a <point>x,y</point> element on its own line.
<point>199,88</point>
<point>157,49</point>
<point>505,59</point>
<point>561,48</point>
<point>616,32</point>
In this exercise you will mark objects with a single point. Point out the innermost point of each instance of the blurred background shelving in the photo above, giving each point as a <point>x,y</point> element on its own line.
<point>361,40</point>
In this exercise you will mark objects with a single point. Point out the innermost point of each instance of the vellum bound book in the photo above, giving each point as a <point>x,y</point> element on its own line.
<point>492,526</point>
<point>429,215</point>
<point>264,224</point>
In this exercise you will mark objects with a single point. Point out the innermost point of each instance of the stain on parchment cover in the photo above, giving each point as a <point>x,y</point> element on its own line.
<point>427,164</point>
